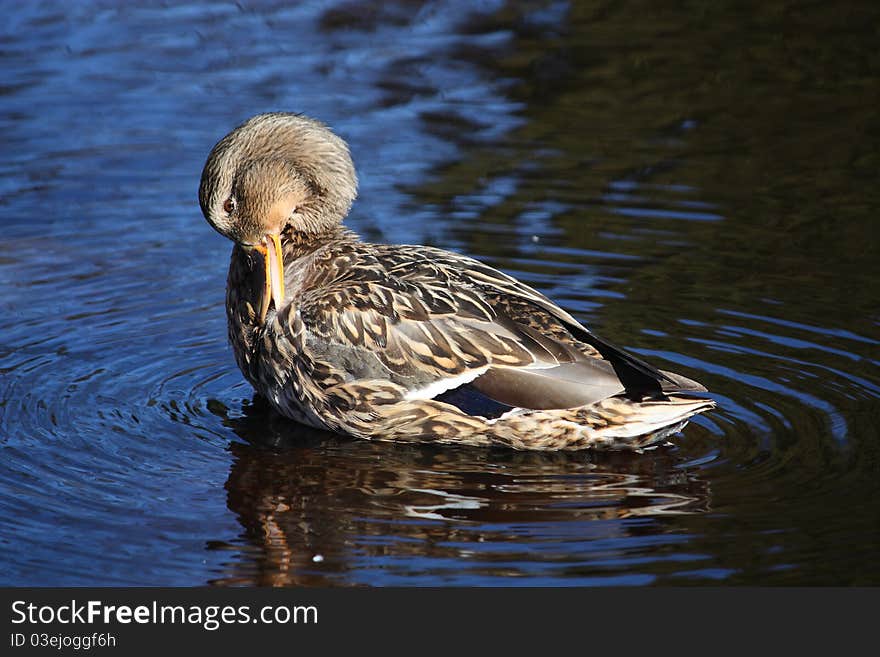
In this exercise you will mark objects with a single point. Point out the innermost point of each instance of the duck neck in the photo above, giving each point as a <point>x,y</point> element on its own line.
<point>298,244</point>
<point>245,287</point>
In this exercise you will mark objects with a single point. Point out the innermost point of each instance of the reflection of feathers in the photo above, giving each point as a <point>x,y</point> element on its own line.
<point>373,339</point>
<point>360,505</point>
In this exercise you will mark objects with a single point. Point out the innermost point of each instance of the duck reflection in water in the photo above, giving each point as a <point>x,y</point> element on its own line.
<point>317,507</point>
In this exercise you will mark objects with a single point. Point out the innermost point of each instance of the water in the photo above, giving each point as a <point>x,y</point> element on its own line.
<point>699,185</point>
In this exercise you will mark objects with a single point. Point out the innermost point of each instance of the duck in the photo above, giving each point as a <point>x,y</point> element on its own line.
<point>406,343</point>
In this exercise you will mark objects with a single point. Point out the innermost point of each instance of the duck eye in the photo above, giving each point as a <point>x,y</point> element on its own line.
<point>229,205</point>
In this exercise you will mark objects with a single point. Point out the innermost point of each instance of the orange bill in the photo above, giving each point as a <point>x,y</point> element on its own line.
<point>273,292</point>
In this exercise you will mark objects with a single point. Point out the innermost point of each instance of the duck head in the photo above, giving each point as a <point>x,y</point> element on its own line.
<point>273,174</point>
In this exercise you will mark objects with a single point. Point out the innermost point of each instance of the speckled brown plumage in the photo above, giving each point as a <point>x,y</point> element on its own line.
<point>372,340</point>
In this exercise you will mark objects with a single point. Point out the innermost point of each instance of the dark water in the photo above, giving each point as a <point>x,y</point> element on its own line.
<point>701,185</point>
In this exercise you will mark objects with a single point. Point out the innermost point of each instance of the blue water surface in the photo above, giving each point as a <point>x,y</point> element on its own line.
<point>709,207</point>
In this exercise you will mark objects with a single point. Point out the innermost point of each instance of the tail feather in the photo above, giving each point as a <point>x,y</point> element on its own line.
<point>613,423</point>
<point>678,383</point>
<point>649,417</point>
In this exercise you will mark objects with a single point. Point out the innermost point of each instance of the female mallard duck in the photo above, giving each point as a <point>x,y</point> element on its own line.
<point>406,343</point>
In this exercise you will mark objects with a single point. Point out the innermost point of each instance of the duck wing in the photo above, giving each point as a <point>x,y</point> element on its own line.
<point>433,321</point>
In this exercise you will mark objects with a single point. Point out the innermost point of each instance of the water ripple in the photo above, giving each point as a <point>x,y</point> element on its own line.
<point>681,226</point>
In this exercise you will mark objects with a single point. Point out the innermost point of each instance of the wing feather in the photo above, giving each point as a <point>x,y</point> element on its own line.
<point>436,320</point>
